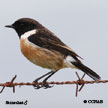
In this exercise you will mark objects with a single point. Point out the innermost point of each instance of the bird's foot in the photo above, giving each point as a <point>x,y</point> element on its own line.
<point>36,85</point>
<point>44,85</point>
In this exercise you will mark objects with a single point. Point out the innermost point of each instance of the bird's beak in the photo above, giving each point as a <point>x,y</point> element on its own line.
<point>9,26</point>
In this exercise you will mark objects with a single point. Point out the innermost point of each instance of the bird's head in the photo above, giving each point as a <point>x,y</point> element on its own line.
<point>24,25</point>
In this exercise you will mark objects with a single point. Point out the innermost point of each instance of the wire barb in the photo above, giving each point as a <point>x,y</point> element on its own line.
<point>9,84</point>
<point>79,82</point>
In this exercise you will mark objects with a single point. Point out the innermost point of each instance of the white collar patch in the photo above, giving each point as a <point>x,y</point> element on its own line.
<point>27,34</point>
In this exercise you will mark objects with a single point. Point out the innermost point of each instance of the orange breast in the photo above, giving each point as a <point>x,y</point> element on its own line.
<point>41,56</point>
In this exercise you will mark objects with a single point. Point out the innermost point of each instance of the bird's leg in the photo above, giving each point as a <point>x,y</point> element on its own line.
<point>45,84</point>
<point>36,81</point>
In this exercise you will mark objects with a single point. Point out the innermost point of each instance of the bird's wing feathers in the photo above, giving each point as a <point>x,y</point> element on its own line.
<point>50,41</point>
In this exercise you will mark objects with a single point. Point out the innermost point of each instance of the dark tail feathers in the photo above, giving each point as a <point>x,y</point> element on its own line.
<point>87,70</point>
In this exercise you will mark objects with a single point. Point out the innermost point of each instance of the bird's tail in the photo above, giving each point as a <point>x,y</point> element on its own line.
<point>87,70</point>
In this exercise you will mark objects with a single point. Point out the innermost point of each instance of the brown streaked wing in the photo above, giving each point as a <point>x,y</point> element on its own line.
<point>48,40</point>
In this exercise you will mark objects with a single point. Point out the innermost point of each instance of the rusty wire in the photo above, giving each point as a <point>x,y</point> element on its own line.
<point>80,82</point>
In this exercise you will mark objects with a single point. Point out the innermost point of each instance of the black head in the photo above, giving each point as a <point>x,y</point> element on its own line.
<point>24,25</point>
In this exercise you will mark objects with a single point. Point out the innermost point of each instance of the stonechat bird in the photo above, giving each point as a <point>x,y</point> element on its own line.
<point>45,49</point>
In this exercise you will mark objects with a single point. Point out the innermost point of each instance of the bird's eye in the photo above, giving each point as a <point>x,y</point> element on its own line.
<point>22,24</point>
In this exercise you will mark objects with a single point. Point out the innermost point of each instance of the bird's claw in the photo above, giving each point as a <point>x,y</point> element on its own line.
<point>45,85</point>
<point>36,85</point>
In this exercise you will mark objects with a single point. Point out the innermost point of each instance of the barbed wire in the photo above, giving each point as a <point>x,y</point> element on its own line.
<point>79,82</point>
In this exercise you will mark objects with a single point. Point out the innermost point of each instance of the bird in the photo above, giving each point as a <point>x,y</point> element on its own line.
<point>43,48</point>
